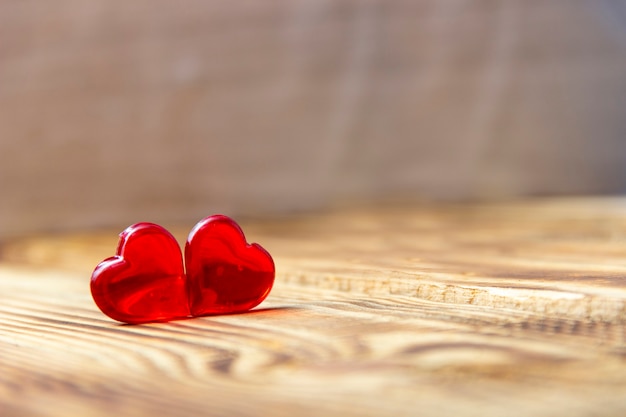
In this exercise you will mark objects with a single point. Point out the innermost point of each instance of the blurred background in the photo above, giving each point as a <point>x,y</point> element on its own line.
<point>117,112</point>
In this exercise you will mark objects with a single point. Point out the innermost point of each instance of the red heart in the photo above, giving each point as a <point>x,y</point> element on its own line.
<point>146,281</point>
<point>225,274</point>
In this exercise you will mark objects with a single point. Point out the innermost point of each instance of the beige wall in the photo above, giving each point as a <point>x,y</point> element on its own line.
<point>117,112</point>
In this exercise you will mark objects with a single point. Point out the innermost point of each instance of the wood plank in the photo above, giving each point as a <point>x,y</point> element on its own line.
<point>488,310</point>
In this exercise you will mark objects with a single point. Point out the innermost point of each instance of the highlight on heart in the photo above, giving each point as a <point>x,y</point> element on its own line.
<point>148,280</point>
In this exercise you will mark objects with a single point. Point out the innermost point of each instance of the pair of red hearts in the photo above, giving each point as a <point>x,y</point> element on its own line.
<point>146,280</point>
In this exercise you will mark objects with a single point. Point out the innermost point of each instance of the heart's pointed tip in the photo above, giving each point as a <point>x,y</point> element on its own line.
<point>142,321</point>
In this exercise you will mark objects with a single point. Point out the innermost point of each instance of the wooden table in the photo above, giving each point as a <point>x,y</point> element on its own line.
<point>513,309</point>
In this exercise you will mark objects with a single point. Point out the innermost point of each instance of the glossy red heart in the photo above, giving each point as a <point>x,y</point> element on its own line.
<point>225,274</point>
<point>146,280</point>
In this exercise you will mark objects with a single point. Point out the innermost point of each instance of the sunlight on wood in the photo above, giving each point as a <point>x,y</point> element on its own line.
<point>506,309</point>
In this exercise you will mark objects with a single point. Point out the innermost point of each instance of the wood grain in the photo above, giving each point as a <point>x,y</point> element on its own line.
<point>471,310</point>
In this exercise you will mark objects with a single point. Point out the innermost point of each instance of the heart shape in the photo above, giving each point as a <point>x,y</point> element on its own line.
<point>224,273</point>
<point>146,280</point>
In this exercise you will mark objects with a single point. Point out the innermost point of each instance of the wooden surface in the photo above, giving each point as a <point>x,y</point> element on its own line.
<point>512,309</point>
